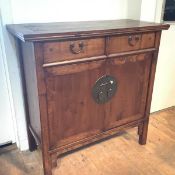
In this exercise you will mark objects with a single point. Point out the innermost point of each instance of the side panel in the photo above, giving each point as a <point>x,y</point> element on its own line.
<point>31,89</point>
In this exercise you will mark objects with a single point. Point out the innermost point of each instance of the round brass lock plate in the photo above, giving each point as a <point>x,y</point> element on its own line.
<point>104,89</point>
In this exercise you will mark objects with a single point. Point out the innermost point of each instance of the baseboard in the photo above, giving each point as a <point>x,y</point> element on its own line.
<point>163,110</point>
<point>24,145</point>
<point>5,144</point>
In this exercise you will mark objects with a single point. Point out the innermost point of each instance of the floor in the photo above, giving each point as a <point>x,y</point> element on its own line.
<point>121,155</point>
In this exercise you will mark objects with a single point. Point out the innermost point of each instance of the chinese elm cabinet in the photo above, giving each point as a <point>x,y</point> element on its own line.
<point>86,81</point>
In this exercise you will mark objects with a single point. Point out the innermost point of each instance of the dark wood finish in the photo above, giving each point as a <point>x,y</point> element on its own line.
<point>143,135</point>
<point>67,30</point>
<point>143,131</point>
<point>71,106</point>
<point>148,40</point>
<point>132,74</point>
<point>131,42</point>
<point>47,158</point>
<point>63,61</point>
<point>61,51</point>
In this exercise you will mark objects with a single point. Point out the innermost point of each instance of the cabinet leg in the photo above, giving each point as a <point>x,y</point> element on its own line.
<point>47,166</point>
<point>48,171</point>
<point>32,142</point>
<point>142,131</point>
<point>54,158</point>
<point>56,161</point>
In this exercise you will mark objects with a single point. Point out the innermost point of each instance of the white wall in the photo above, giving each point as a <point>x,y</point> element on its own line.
<point>134,9</point>
<point>13,77</point>
<point>66,10</point>
<point>164,88</point>
<point>6,121</point>
<point>164,91</point>
<point>148,9</point>
<point>82,10</point>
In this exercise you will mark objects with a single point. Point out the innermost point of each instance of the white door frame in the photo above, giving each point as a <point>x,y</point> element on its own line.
<point>6,84</point>
<point>13,75</point>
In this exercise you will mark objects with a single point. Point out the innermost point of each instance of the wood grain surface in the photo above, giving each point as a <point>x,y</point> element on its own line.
<point>60,51</point>
<point>52,31</point>
<point>107,158</point>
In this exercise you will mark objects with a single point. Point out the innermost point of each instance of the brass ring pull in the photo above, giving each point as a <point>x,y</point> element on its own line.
<point>132,40</point>
<point>76,50</point>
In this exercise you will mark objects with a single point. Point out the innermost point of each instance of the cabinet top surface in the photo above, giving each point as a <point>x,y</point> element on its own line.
<point>60,30</point>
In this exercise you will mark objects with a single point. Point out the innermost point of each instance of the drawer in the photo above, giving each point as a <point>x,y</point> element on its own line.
<point>131,42</point>
<point>74,49</point>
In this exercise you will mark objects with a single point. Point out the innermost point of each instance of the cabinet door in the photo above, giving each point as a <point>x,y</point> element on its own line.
<point>132,76</point>
<point>72,112</point>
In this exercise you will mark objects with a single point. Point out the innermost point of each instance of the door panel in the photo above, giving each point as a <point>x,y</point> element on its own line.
<point>128,104</point>
<point>73,114</point>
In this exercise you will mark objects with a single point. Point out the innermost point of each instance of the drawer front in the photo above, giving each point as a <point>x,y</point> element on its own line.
<point>148,41</point>
<point>74,49</point>
<point>131,42</point>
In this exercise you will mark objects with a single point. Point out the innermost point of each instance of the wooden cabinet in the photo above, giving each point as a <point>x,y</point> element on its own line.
<point>85,81</point>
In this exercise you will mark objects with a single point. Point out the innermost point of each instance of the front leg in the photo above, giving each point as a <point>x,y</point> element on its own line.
<point>142,131</point>
<point>47,165</point>
<point>55,160</point>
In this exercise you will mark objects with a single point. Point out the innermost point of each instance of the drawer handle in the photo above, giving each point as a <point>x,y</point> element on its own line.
<point>78,49</point>
<point>132,40</point>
